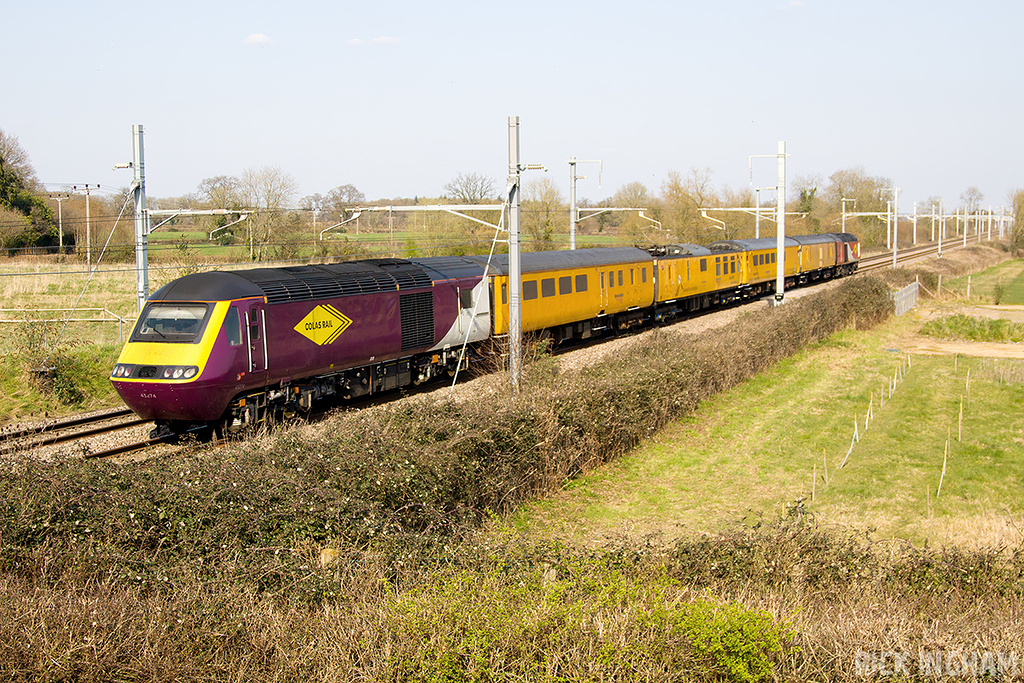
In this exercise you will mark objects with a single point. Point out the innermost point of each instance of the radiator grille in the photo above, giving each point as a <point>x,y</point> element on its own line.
<point>417,312</point>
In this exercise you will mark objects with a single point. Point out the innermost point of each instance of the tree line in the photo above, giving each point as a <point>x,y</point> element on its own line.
<point>687,207</point>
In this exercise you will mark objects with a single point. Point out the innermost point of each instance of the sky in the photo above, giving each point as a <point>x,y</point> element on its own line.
<point>398,97</point>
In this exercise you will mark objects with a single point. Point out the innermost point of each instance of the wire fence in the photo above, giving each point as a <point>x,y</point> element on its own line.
<point>80,315</point>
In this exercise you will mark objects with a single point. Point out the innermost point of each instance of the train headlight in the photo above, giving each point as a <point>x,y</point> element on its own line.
<point>179,372</point>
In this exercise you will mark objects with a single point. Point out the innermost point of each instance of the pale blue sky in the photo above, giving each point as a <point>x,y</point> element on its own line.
<point>398,97</point>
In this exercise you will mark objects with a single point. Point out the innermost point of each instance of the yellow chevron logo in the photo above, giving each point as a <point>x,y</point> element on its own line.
<point>323,325</point>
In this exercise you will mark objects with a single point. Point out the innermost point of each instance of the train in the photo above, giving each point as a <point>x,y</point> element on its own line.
<point>232,349</point>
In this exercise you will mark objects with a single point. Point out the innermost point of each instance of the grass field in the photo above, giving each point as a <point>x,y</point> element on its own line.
<point>755,450</point>
<point>1001,284</point>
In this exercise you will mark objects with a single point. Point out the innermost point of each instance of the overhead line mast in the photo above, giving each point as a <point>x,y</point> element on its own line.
<point>141,238</point>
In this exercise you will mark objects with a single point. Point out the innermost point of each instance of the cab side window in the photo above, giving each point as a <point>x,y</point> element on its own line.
<point>233,327</point>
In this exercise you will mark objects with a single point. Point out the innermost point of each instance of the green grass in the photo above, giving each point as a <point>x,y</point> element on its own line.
<point>754,450</point>
<point>82,383</point>
<point>960,326</point>
<point>1001,284</point>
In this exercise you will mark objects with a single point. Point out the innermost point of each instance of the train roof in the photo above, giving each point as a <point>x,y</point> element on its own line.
<point>826,238</point>
<point>450,267</point>
<point>213,286</point>
<point>753,244</point>
<point>298,283</point>
<point>539,261</point>
<point>679,250</point>
<point>761,243</point>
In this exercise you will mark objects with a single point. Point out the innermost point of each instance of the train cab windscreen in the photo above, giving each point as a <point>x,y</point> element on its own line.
<point>171,322</point>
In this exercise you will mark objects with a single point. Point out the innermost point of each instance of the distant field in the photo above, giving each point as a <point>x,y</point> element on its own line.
<point>754,451</point>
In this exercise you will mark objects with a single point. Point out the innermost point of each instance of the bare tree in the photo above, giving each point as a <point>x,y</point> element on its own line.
<point>971,199</point>
<point>268,190</point>
<point>220,192</point>
<point>854,183</point>
<point>931,204</point>
<point>471,188</point>
<point>340,199</point>
<point>869,194</point>
<point>544,209</point>
<point>684,198</point>
<point>313,202</point>
<point>1017,234</point>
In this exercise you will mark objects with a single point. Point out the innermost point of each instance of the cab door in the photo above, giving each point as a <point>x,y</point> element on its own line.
<point>256,337</point>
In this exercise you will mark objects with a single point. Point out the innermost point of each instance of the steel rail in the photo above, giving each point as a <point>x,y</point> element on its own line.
<point>68,423</point>
<point>19,441</point>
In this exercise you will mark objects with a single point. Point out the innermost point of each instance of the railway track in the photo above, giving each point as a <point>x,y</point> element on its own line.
<point>904,255</point>
<point>78,428</point>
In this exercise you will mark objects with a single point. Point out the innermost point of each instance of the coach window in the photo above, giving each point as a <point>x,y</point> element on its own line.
<point>232,327</point>
<point>581,283</point>
<point>620,278</point>
<point>632,277</point>
<point>565,284</point>
<point>611,279</point>
<point>547,287</point>
<point>643,275</point>
<point>529,289</point>
<point>732,265</point>
<point>718,265</point>
<point>504,294</point>
<point>703,265</point>
<point>602,280</point>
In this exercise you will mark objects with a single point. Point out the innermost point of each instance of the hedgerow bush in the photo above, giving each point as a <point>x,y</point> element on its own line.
<point>420,466</point>
<point>348,549</point>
